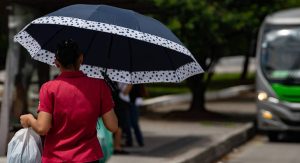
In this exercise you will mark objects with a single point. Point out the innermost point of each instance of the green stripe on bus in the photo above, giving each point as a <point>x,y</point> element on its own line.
<point>289,93</point>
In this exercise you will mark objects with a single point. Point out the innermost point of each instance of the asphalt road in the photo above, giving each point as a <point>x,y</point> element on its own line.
<point>260,150</point>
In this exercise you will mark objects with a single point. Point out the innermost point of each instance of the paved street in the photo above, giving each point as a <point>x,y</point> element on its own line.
<point>260,150</point>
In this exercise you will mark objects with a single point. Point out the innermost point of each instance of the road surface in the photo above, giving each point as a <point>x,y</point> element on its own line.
<point>260,150</point>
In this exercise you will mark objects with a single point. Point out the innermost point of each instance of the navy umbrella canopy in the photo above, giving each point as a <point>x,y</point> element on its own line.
<point>128,46</point>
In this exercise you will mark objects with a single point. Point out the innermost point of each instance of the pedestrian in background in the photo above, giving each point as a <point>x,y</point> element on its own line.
<point>122,101</point>
<point>137,92</point>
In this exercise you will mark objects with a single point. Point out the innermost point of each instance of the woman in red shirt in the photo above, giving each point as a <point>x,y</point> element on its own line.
<point>69,109</point>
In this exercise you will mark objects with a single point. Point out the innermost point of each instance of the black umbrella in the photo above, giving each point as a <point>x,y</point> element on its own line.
<point>128,46</point>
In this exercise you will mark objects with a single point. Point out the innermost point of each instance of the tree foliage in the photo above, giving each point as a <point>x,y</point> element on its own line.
<point>211,29</point>
<point>218,28</point>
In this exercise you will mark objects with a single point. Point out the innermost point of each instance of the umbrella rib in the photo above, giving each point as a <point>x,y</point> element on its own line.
<point>130,59</point>
<point>105,74</point>
<point>172,63</point>
<point>137,22</point>
<point>109,53</point>
<point>109,49</point>
<point>91,42</point>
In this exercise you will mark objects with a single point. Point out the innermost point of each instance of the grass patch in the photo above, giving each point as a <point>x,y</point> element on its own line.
<point>225,80</point>
<point>159,91</point>
<point>219,81</point>
<point>230,76</point>
<point>155,90</point>
<point>214,123</point>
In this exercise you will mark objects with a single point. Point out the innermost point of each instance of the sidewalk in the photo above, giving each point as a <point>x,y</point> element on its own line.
<point>182,142</point>
<point>169,141</point>
<point>194,141</point>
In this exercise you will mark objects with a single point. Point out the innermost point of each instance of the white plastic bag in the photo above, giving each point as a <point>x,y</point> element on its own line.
<point>25,147</point>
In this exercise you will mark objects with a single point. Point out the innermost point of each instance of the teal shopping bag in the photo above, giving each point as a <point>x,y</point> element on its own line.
<point>106,140</point>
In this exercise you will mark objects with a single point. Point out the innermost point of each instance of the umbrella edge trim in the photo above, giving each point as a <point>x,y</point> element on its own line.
<point>178,75</point>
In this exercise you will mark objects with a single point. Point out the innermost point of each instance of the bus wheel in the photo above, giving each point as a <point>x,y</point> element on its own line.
<point>273,136</point>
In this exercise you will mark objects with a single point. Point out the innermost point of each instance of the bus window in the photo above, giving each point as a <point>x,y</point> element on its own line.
<point>281,56</point>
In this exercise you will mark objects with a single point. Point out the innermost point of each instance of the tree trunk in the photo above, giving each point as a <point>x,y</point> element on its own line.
<point>251,52</point>
<point>245,67</point>
<point>198,83</point>
<point>197,86</point>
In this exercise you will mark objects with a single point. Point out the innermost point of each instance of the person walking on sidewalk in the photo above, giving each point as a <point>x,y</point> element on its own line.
<point>137,92</point>
<point>122,108</point>
<point>69,109</point>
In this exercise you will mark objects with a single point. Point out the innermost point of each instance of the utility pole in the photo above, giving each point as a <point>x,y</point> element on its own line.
<point>17,19</point>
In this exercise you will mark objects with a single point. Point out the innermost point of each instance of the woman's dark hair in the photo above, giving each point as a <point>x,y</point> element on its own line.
<point>67,53</point>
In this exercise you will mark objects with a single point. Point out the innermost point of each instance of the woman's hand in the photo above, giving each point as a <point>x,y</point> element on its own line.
<point>25,120</point>
<point>41,125</point>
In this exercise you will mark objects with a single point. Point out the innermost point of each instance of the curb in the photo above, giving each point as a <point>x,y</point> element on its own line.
<point>166,100</point>
<point>222,147</point>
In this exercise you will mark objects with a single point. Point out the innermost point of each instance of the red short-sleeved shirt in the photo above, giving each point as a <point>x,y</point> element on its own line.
<point>75,102</point>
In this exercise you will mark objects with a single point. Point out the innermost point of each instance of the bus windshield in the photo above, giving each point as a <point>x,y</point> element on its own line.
<point>280,58</point>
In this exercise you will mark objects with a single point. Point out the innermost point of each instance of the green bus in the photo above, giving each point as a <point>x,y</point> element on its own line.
<point>278,73</point>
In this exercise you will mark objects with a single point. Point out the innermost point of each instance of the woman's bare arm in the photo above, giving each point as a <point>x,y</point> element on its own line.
<point>41,125</point>
<point>110,121</point>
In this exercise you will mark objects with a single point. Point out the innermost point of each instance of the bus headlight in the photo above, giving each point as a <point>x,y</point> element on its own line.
<point>262,96</point>
<point>266,114</point>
